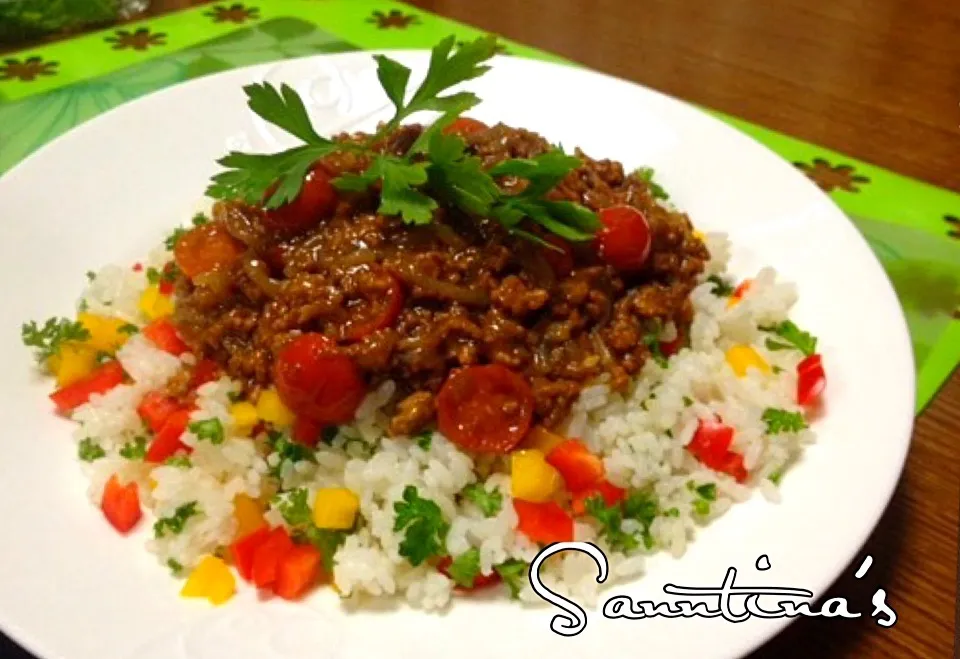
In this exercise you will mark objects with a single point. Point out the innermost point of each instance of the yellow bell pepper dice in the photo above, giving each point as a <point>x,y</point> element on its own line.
<point>249,515</point>
<point>105,334</point>
<point>335,508</point>
<point>155,304</point>
<point>743,357</point>
<point>211,579</point>
<point>699,235</point>
<point>541,439</point>
<point>74,362</point>
<point>244,417</point>
<point>532,478</point>
<point>271,409</point>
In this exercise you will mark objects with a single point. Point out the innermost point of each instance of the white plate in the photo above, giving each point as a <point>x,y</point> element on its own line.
<point>107,192</point>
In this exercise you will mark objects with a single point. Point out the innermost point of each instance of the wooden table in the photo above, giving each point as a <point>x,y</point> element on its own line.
<point>879,81</point>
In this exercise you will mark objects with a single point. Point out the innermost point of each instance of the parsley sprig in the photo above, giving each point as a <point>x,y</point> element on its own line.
<point>50,337</point>
<point>436,168</point>
<point>795,338</point>
<point>424,528</point>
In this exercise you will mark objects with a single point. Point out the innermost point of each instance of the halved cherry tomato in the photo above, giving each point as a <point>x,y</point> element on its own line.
<point>205,371</point>
<point>465,126</point>
<point>316,381</point>
<point>579,467</point>
<point>545,523</point>
<point>167,441</point>
<point>164,335</point>
<point>267,557</point>
<point>561,258</point>
<point>121,504</point>
<point>486,409</point>
<point>381,313</point>
<point>317,199</point>
<point>155,408</point>
<point>480,581</point>
<point>306,431</point>
<point>624,241</point>
<point>612,495</point>
<point>811,379</point>
<point>76,394</point>
<point>299,569</point>
<point>244,549</point>
<point>206,248</point>
<point>711,446</point>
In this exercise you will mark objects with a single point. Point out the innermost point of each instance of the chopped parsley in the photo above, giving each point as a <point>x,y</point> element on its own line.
<point>174,566</point>
<point>776,476</point>
<point>424,440</point>
<point>128,328</point>
<point>687,401</point>
<point>171,241</point>
<point>779,420</point>
<point>721,288</point>
<point>287,451</point>
<point>199,220</point>
<point>88,450</point>
<point>514,573</point>
<point>179,461</point>
<point>465,568</point>
<point>435,167</point>
<point>706,493</point>
<point>672,512</point>
<point>91,275</point>
<point>425,529</point>
<point>210,430</point>
<point>294,507</point>
<point>795,338</point>
<point>326,540</point>
<point>488,501</point>
<point>48,339</point>
<point>652,341</point>
<point>135,450</point>
<point>640,506</point>
<point>175,523</point>
<point>645,174</point>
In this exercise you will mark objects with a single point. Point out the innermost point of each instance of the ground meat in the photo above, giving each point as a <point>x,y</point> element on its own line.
<point>410,304</point>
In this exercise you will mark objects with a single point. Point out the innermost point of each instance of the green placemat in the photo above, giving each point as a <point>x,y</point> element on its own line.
<point>914,228</point>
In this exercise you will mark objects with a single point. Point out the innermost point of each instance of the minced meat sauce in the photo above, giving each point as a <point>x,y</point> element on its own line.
<point>414,303</point>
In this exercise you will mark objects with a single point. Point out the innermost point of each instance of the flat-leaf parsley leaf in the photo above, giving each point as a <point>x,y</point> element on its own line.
<point>425,529</point>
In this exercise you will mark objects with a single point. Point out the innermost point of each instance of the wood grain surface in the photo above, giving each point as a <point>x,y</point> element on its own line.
<point>876,79</point>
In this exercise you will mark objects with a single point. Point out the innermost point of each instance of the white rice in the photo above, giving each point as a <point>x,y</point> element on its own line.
<point>640,434</point>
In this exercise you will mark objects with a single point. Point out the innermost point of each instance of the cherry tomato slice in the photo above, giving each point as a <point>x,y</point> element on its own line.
<point>206,248</point>
<point>317,199</point>
<point>486,409</point>
<point>317,382</point>
<point>381,312</point>
<point>465,126</point>
<point>624,241</point>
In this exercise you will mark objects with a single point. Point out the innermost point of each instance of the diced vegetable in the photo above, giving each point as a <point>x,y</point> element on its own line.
<point>464,126</point>
<point>272,410</point>
<point>248,512</point>
<point>610,493</point>
<point>155,408</point>
<point>579,467</point>
<point>100,381</point>
<point>266,559</point>
<point>711,446</point>
<point>811,379</point>
<point>211,580</point>
<point>335,508</point>
<point>167,441</point>
<point>106,333</point>
<point>205,248</point>
<point>244,417</point>
<point>545,523</point>
<point>154,304</point>
<point>298,572</point>
<point>244,550</point>
<point>74,362</point>
<point>121,504</point>
<point>164,335</point>
<point>205,371</point>
<point>743,357</point>
<point>542,440</point>
<point>531,477</point>
<point>486,409</point>
<point>739,292</point>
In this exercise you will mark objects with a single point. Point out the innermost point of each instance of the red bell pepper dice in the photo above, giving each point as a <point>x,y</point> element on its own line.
<point>100,381</point>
